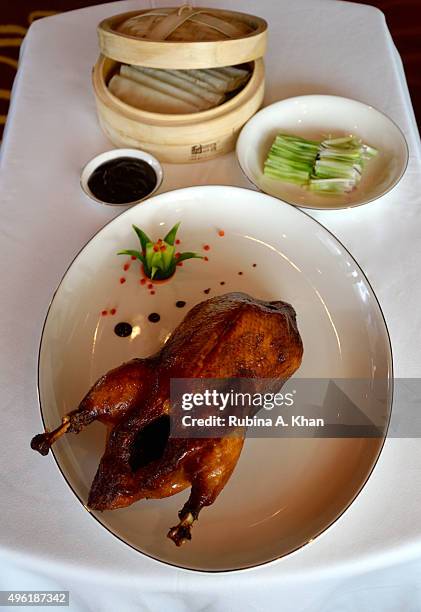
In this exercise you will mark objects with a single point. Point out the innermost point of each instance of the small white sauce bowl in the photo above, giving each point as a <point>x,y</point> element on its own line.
<point>100,159</point>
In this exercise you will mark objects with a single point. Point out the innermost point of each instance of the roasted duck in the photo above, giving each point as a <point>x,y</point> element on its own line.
<point>229,336</point>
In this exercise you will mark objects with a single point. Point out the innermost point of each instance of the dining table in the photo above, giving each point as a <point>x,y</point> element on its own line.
<point>370,558</point>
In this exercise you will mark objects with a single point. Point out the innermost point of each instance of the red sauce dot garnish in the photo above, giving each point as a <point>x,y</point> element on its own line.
<point>156,248</point>
<point>207,291</point>
<point>143,281</point>
<point>221,233</point>
<point>206,247</point>
<point>122,280</point>
<point>163,248</point>
<point>180,264</point>
<point>113,311</point>
<point>104,313</point>
<point>126,267</point>
<point>133,257</point>
<point>177,241</point>
<point>206,258</point>
<point>150,286</point>
<point>152,292</point>
<point>177,255</point>
<point>222,283</point>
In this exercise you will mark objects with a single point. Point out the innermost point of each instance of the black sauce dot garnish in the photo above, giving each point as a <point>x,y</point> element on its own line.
<point>154,317</point>
<point>222,283</point>
<point>123,329</point>
<point>254,265</point>
<point>207,291</point>
<point>180,304</point>
<point>240,273</point>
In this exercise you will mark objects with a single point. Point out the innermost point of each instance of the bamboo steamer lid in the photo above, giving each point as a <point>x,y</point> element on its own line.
<point>183,38</point>
<point>180,39</point>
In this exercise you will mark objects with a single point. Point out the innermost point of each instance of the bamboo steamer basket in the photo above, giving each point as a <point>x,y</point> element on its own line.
<point>180,39</point>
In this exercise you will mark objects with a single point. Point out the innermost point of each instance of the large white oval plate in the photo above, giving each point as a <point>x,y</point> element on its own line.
<point>284,492</point>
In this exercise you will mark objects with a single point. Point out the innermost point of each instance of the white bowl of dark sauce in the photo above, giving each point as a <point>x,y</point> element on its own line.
<point>121,177</point>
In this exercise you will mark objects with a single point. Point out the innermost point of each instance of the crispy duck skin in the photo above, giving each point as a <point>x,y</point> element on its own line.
<point>108,401</point>
<point>228,336</point>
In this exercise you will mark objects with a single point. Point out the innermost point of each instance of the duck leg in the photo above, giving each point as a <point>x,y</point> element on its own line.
<point>211,470</point>
<point>108,401</point>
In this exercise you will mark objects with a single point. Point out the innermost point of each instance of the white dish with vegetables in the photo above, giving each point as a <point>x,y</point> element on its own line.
<point>322,152</point>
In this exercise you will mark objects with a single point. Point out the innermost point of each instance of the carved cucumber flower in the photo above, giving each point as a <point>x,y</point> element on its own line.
<point>159,258</point>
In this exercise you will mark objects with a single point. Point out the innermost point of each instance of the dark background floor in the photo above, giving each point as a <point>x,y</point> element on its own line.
<point>402,17</point>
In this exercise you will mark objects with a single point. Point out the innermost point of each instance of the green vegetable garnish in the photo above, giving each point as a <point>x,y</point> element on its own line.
<point>159,258</point>
<point>333,166</point>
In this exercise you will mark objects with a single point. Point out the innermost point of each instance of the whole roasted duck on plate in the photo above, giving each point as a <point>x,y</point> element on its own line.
<point>228,336</point>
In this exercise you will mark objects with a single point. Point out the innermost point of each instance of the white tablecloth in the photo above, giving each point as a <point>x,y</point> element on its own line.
<point>370,559</point>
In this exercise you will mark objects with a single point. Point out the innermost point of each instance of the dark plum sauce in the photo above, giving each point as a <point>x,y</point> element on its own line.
<point>122,180</point>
